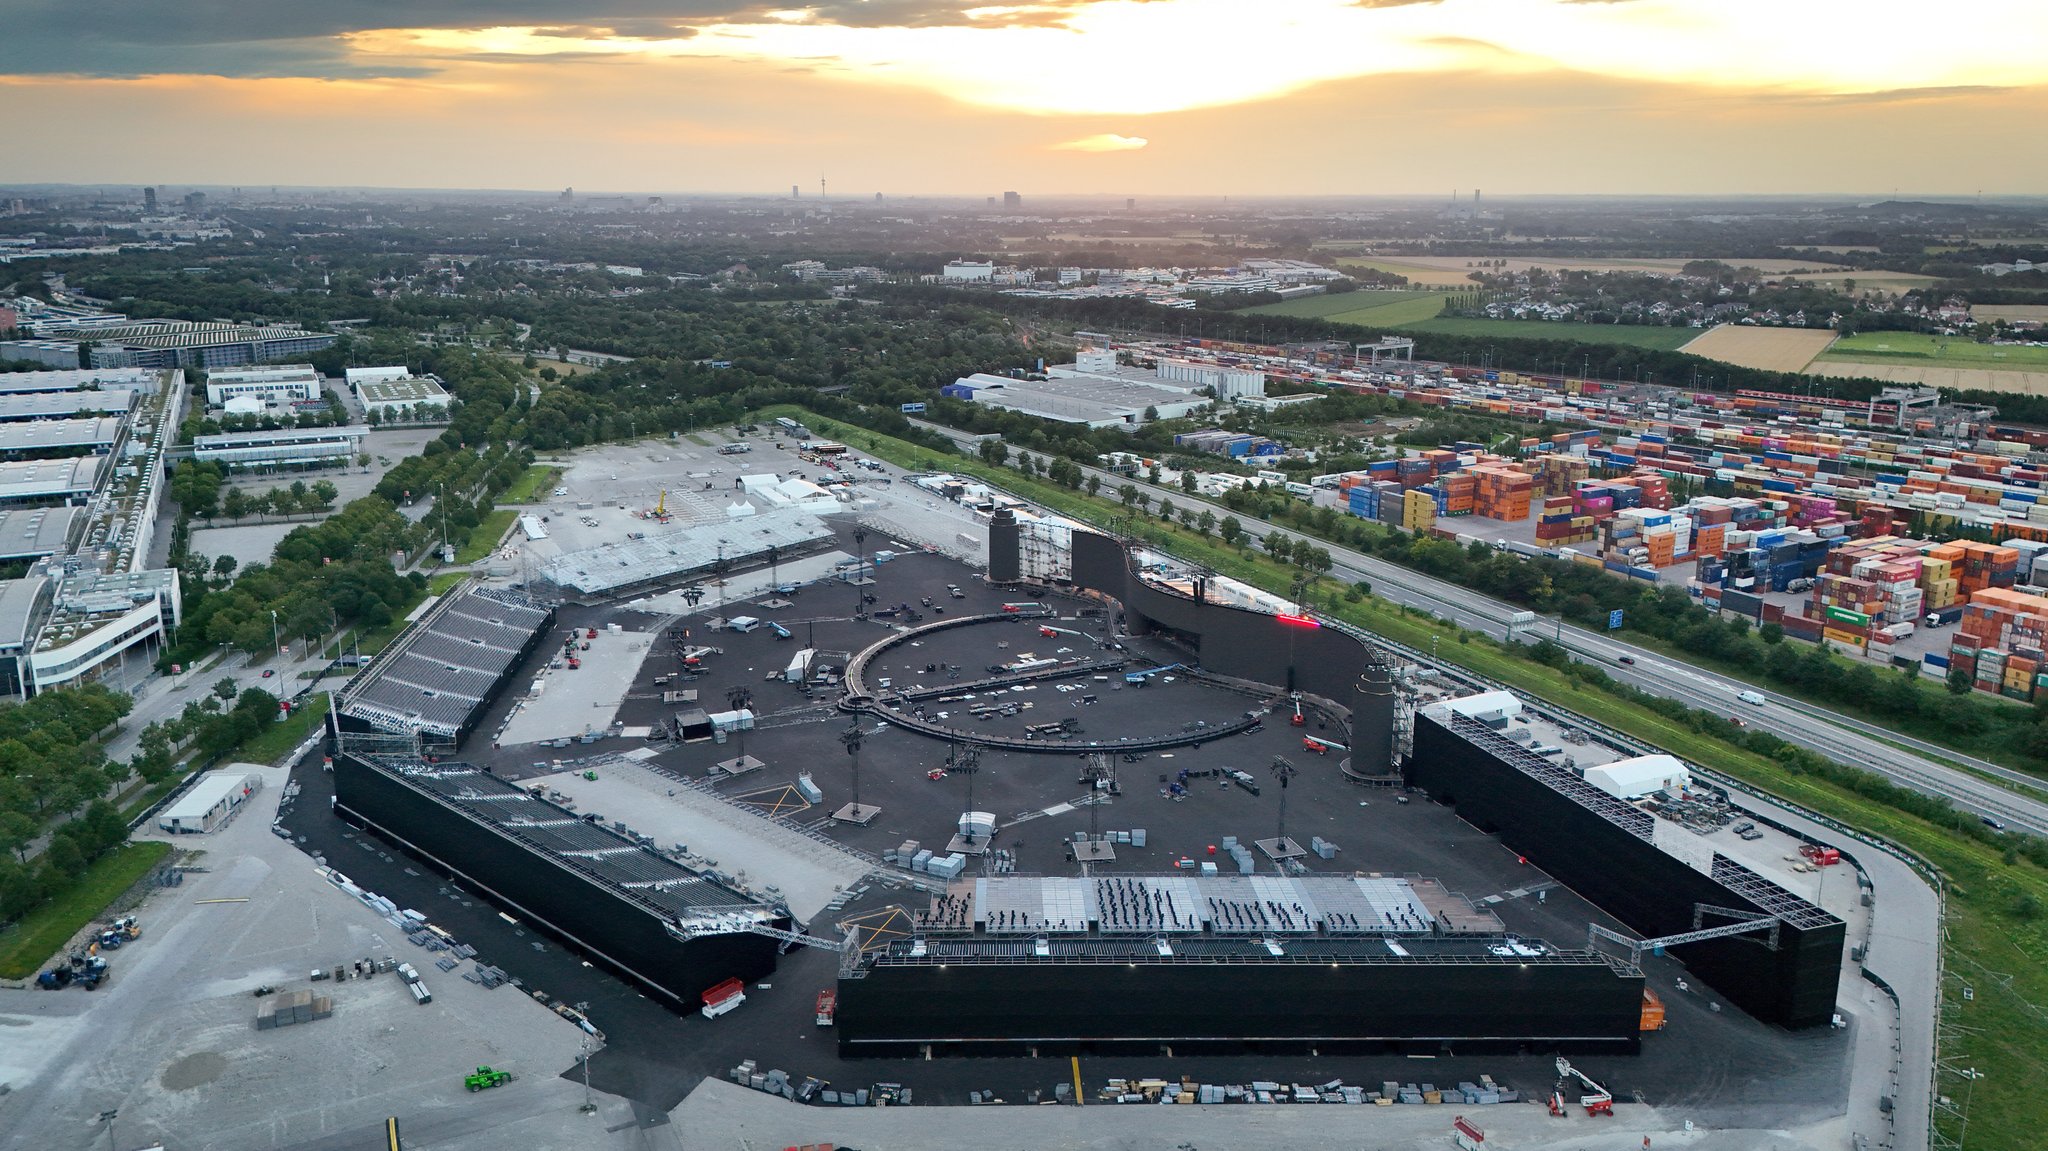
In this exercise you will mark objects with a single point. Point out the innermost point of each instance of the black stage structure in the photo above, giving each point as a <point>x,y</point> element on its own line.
<point>1604,848</point>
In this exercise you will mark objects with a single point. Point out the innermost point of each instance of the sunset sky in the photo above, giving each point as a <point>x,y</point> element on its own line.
<point>1124,97</point>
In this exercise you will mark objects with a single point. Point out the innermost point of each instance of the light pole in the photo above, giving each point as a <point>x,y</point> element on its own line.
<point>583,1050</point>
<point>107,1117</point>
<point>1283,770</point>
<point>739,697</point>
<point>860,548</point>
<point>274,644</point>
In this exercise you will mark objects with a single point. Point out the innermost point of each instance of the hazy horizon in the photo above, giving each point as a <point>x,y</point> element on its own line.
<point>1115,97</point>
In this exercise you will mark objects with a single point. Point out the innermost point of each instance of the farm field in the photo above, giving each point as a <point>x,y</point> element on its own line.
<point>2010,313</point>
<point>1935,351</point>
<point>1767,349</point>
<point>1456,269</point>
<point>1630,335</point>
<point>1371,309</point>
<point>1930,374</point>
<point>1866,280</point>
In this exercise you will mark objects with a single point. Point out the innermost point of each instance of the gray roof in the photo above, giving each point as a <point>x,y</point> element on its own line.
<point>26,533</point>
<point>697,547</point>
<point>32,479</point>
<point>18,599</point>
<point>59,435</point>
<point>61,405</point>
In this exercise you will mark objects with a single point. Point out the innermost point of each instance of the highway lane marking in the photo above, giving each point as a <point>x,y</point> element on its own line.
<point>198,902</point>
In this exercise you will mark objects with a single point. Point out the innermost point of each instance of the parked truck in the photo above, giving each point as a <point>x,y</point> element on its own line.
<point>1942,617</point>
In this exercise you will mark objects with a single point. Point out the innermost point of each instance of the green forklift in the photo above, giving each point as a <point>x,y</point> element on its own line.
<point>483,1079</point>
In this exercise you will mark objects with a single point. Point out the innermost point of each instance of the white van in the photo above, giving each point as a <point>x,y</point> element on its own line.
<point>1750,697</point>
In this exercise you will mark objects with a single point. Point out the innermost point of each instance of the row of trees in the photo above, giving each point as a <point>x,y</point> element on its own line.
<point>51,760</point>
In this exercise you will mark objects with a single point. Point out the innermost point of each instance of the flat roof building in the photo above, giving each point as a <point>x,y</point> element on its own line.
<point>397,394</point>
<point>610,568</point>
<point>74,379</point>
<point>103,626</point>
<point>210,802</point>
<point>55,353</point>
<point>293,447</point>
<point>16,407</point>
<point>43,482</point>
<point>281,384</point>
<point>49,439</point>
<point>185,344</point>
<point>1096,401</point>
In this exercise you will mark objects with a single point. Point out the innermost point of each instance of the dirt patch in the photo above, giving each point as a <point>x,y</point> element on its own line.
<point>1766,349</point>
<point>195,1070</point>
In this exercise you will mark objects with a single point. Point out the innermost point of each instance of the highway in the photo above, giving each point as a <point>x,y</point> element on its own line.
<point>1899,758</point>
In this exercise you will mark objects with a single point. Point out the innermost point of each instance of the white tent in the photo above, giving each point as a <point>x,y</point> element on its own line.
<point>1638,777</point>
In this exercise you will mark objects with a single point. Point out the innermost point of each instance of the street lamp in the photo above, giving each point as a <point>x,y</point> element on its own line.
<point>1283,770</point>
<point>274,643</point>
<point>107,1117</point>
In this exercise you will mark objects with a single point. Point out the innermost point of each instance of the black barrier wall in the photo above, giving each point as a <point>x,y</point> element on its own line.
<point>1623,874</point>
<point>1232,641</point>
<point>1142,1001</point>
<point>609,928</point>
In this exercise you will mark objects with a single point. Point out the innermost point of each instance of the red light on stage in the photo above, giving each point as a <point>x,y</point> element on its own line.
<point>1297,621</point>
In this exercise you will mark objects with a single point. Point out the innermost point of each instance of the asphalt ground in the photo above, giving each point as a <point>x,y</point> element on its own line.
<point>1722,1067</point>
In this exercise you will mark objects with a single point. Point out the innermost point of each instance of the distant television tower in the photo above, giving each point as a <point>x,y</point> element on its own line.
<point>821,186</point>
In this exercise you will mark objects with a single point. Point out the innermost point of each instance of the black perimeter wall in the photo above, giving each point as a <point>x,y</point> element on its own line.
<point>610,929</point>
<point>1413,1007</point>
<point>1651,892</point>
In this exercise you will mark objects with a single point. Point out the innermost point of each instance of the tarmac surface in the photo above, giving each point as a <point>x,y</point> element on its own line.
<point>1717,1066</point>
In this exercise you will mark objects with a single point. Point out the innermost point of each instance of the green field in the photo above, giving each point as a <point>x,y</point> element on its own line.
<point>43,932</point>
<point>1631,335</point>
<point>1917,348</point>
<point>533,486</point>
<point>1367,309</point>
<point>484,539</point>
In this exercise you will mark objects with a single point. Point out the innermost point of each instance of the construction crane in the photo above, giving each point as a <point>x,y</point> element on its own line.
<point>661,507</point>
<point>1597,1100</point>
<point>1297,719</point>
<point>1321,746</point>
<point>1049,631</point>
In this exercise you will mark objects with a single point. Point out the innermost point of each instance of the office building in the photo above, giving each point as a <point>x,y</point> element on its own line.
<point>394,393</point>
<point>284,383</point>
<point>290,448</point>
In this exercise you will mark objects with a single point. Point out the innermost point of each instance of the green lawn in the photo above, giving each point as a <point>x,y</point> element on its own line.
<point>1367,309</point>
<point>535,485</point>
<point>1918,348</point>
<point>1996,910</point>
<point>278,739</point>
<point>1632,335</point>
<point>484,540</point>
<point>27,945</point>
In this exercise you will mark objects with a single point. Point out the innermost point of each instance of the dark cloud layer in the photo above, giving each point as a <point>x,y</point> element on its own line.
<point>297,37</point>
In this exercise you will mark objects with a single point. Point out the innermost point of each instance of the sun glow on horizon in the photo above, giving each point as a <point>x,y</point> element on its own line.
<point>1142,57</point>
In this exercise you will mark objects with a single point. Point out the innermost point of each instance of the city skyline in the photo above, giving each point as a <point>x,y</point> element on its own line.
<point>1308,97</point>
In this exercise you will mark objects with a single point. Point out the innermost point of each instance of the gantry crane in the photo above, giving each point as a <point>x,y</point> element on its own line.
<point>1597,1100</point>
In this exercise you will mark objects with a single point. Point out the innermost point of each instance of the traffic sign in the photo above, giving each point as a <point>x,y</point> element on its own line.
<point>1614,620</point>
